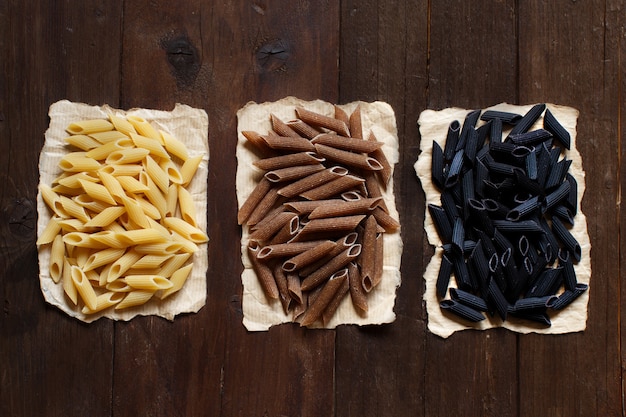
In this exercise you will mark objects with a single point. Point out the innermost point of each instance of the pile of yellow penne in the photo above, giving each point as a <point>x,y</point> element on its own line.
<point>123,226</point>
<point>315,220</point>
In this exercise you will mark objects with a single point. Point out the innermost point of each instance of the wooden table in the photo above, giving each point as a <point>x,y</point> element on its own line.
<point>220,55</point>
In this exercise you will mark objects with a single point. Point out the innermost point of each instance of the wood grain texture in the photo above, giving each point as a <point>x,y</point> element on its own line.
<point>413,54</point>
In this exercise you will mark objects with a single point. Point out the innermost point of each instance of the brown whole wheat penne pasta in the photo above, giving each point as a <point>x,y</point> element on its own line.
<point>331,226</point>
<point>352,159</point>
<point>379,155</point>
<point>288,160</point>
<point>269,229</point>
<point>258,144</point>
<point>323,273</point>
<point>288,143</point>
<point>357,294</point>
<point>319,120</point>
<point>317,307</point>
<point>293,286</point>
<point>263,272</point>
<point>293,173</point>
<point>373,187</point>
<point>354,123</point>
<point>385,220</point>
<point>339,208</point>
<point>303,129</point>
<point>347,144</point>
<point>281,128</point>
<point>281,284</point>
<point>307,206</point>
<point>312,181</point>
<point>308,257</point>
<point>263,206</point>
<point>340,114</point>
<point>339,296</point>
<point>253,200</point>
<point>368,249</point>
<point>342,244</point>
<point>286,249</point>
<point>286,233</point>
<point>332,188</point>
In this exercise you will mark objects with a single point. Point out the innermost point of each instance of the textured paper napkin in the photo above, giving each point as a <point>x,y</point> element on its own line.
<point>259,312</point>
<point>187,124</point>
<point>434,127</point>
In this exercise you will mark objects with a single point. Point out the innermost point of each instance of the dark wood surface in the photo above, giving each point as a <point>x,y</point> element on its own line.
<point>220,55</point>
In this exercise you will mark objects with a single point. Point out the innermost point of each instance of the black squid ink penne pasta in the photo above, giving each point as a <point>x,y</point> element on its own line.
<point>462,310</point>
<point>558,131</point>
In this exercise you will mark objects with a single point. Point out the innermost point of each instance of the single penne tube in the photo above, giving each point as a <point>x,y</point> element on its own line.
<point>342,244</point>
<point>174,146</point>
<point>347,144</point>
<point>186,205</point>
<point>178,279</point>
<point>293,286</point>
<point>73,209</point>
<point>185,229</point>
<point>140,236</point>
<point>320,120</point>
<point>126,156</point>
<point>312,181</point>
<point>97,192</point>
<point>154,195</point>
<point>49,233</point>
<point>288,160</point>
<point>281,128</point>
<point>171,170</point>
<point>281,284</point>
<point>286,249</point>
<point>258,144</point>
<point>122,169</point>
<point>353,159</point>
<point>151,261</point>
<point>368,252</point>
<point>339,208</point>
<point>333,188</point>
<point>317,307</point>
<point>77,162</point>
<point>57,255</point>
<point>372,186</point>
<point>187,245</point>
<point>67,191</point>
<point>100,258</point>
<point>337,299</point>
<point>307,206</point>
<point>80,255</point>
<point>82,142</point>
<point>103,275</point>
<point>329,226</point>
<point>288,143</point>
<point>48,196</point>
<point>387,171</point>
<point>171,199</point>
<point>74,225</point>
<point>383,218</point>
<point>263,207</point>
<point>189,168</point>
<point>293,173</point>
<point>134,299</point>
<point>85,127</point>
<point>263,272</point>
<point>121,124</point>
<point>82,239</point>
<point>157,174</point>
<point>333,265</point>
<point>104,301</point>
<point>73,180</point>
<point>102,151</point>
<point>153,145</point>
<point>119,285</point>
<point>357,293</point>
<point>148,208</point>
<point>122,264</point>
<point>302,128</point>
<point>341,115</point>
<point>148,282</point>
<point>108,238</point>
<point>169,248</point>
<point>308,257</point>
<point>268,218</point>
<point>355,123</point>
<point>272,227</point>
<point>83,287</point>
<point>253,200</point>
<point>108,136</point>
<point>143,127</point>
<point>286,233</point>
<point>68,285</point>
<point>135,212</point>
<point>131,184</point>
<point>95,206</point>
<point>173,264</point>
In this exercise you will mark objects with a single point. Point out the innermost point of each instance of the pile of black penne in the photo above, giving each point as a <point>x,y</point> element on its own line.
<point>507,204</point>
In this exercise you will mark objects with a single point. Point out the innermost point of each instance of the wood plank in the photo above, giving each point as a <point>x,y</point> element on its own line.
<point>49,52</point>
<point>221,56</point>
<point>472,65</point>
<point>574,61</point>
<point>380,369</point>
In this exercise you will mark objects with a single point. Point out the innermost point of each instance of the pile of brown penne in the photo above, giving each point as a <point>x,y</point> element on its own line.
<point>316,218</point>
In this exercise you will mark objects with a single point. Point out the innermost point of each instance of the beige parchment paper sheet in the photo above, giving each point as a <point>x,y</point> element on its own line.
<point>433,127</point>
<point>187,124</point>
<point>259,312</point>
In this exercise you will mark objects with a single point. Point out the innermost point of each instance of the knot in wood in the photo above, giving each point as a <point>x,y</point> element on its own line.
<point>272,56</point>
<point>183,59</point>
<point>21,217</point>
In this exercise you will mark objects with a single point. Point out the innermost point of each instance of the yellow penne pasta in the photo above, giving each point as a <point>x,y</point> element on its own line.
<point>73,209</point>
<point>148,282</point>
<point>103,275</point>
<point>57,254</point>
<point>106,217</point>
<point>119,285</point>
<point>171,198</point>
<point>187,245</point>
<point>135,298</point>
<point>105,256</point>
<point>73,180</point>
<point>112,184</point>
<point>153,145</point>
<point>52,229</point>
<point>122,169</point>
<point>148,208</point>
<point>185,229</point>
<point>169,248</point>
<point>151,261</point>
<point>135,212</point>
<point>126,156</point>
<point>83,240</point>
<point>78,161</point>
<point>173,264</point>
<point>90,204</point>
<point>174,146</point>
<point>189,168</point>
<point>109,136</point>
<point>82,142</point>
<point>121,124</point>
<point>153,194</point>
<point>187,206</point>
<point>68,284</point>
<point>84,287</point>
<point>141,236</point>
<point>85,127</point>
<point>81,254</point>
<point>158,176</point>
<point>67,191</point>
<point>104,301</point>
<point>108,237</point>
<point>49,197</point>
<point>74,225</point>
<point>171,170</point>
<point>123,264</point>
<point>97,191</point>
<point>177,280</point>
<point>131,184</point>
<point>143,127</point>
<point>103,151</point>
